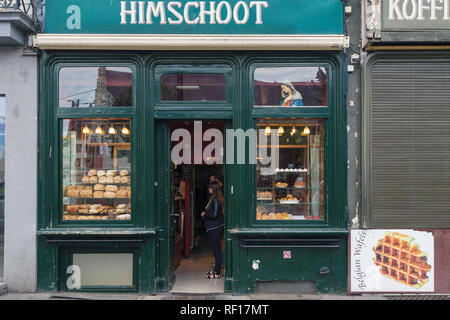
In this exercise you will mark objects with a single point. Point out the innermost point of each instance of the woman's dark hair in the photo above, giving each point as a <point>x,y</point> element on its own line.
<point>216,193</point>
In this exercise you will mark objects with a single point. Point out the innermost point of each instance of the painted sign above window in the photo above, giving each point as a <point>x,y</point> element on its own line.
<point>194,17</point>
<point>408,20</point>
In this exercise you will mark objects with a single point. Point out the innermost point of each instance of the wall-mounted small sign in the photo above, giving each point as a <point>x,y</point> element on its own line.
<point>287,255</point>
<point>391,261</point>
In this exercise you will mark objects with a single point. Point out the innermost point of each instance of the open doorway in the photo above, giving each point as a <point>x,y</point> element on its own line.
<point>189,184</point>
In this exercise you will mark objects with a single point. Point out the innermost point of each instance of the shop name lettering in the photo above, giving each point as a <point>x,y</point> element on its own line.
<point>359,275</point>
<point>142,12</point>
<point>419,10</point>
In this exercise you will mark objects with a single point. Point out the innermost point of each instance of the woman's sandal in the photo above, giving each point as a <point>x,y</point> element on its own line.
<point>213,275</point>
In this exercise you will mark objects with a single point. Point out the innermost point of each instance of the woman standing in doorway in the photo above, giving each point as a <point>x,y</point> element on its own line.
<point>214,221</point>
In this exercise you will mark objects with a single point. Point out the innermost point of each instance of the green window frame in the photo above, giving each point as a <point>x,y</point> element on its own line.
<point>51,168</point>
<point>161,70</point>
<point>335,214</point>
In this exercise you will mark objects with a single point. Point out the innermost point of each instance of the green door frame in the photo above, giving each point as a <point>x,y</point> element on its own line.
<point>163,199</point>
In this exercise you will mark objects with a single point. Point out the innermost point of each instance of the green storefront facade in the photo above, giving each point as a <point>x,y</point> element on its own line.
<point>143,242</point>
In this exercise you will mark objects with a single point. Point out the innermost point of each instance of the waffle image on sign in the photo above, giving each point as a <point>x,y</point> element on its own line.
<point>401,260</point>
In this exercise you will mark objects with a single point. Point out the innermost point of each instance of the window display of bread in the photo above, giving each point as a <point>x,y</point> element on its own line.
<point>112,188</point>
<point>110,195</point>
<point>124,173</point>
<point>92,173</point>
<point>86,193</point>
<point>111,173</point>
<point>99,187</point>
<point>93,179</point>
<point>99,194</point>
<point>101,173</point>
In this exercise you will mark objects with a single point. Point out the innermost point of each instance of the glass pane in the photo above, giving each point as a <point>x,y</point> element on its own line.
<point>2,179</point>
<point>193,87</point>
<point>290,87</point>
<point>290,170</point>
<point>96,169</point>
<point>81,87</point>
<point>103,269</point>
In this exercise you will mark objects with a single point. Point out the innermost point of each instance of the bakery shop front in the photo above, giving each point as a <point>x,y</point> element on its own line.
<point>143,104</point>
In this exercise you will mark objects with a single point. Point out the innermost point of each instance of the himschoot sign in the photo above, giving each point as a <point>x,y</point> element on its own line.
<point>194,17</point>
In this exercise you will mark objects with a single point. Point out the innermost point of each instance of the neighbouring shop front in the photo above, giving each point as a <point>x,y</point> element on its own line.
<point>142,102</point>
<point>406,138</point>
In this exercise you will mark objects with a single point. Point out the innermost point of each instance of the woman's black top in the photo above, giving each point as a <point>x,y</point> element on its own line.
<point>214,215</point>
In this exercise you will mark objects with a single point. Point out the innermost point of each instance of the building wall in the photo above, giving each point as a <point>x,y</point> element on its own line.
<point>18,81</point>
<point>353,28</point>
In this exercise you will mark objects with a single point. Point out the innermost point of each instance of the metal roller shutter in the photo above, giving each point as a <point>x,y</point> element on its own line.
<point>410,143</point>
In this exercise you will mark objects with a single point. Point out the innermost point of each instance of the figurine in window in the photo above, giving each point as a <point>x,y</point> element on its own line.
<point>290,96</point>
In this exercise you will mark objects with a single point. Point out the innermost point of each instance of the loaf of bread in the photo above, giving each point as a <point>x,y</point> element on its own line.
<point>109,180</point>
<point>99,187</point>
<point>80,187</point>
<point>126,179</point>
<point>86,193</point>
<point>73,193</point>
<point>102,180</point>
<point>85,179</point>
<point>111,173</point>
<point>99,194</point>
<point>124,217</point>
<point>121,206</point>
<point>95,206</point>
<point>121,210</point>
<point>124,173</point>
<point>92,173</point>
<point>83,211</point>
<point>101,173</point>
<point>93,179</point>
<point>111,188</point>
<point>73,208</point>
<point>117,179</point>
<point>122,194</point>
<point>110,194</point>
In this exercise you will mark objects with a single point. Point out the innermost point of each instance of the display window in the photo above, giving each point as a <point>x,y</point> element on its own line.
<point>84,87</point>
<point>96,176</point>
<point>290,177</point>
<point>193,87</point>
<point>290,86</point>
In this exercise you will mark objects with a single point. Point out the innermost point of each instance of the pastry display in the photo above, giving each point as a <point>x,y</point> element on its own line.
<point>281,185</point>
<point>264,195</point>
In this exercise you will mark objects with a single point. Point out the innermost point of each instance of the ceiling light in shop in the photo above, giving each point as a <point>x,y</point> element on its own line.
<point>98,130</point>
<point>112,130</point>
<point>125,130</point>
<point>306,130</point>
<point>267,131</point>
<point>86,130</point>
<point>280,131</point>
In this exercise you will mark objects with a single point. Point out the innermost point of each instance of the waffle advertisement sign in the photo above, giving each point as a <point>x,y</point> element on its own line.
<point>391,261</point>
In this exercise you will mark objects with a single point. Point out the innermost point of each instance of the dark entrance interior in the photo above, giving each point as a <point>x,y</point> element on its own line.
<point>189,183</point>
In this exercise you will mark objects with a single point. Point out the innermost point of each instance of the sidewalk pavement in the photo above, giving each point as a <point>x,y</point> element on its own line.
<point>173,296</point>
